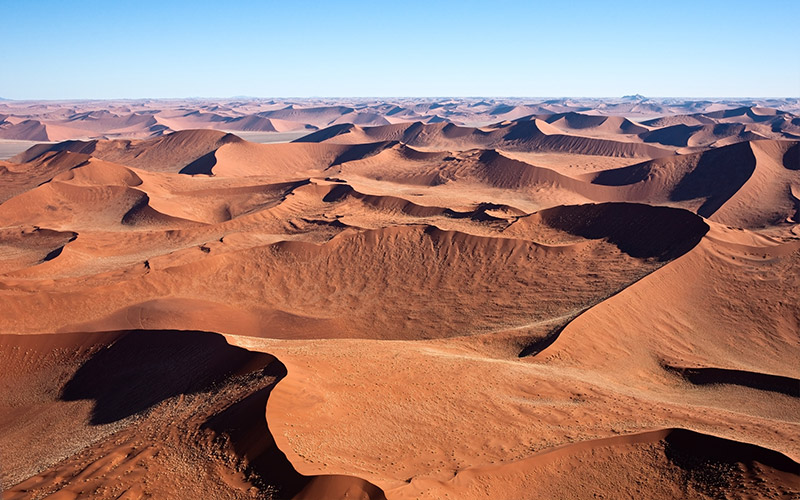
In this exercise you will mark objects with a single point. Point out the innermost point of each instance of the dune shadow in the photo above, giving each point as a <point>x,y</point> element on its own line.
<point>326,133</point>
<point>144,368</point>
<point>245,425</point>
<point>791,159</point>
<point>719,174</point>
<point>140,369</point>
<point>675,135</point>
<point>641,231</point>
<point>540,344</point>
<point>203,165</point>
<point>361,151</point>
<point>715,464</point>
<point>689,449</point>
<point>754,380</point>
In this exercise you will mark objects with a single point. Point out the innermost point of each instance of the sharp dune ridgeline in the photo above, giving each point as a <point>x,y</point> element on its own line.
<point>400,299</point>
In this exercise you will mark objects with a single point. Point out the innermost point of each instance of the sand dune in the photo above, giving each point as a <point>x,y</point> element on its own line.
<point>79,120</point>
<point>666,470</point>
<point>279,160</point>
<point>746,184</point>
<point>748,346</point>
<point>119,399</point>
<point>722,127</point>
<point>164,154</point>
<point>573,121</point>
<point>524,135</point>
<point>449,298</point>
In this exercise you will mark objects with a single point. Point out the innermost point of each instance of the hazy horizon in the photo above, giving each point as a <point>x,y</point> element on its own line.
<point>388,97</point>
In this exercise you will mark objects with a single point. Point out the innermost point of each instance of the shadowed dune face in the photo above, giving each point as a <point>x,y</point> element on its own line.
<point>761,381</point>
<point>521,135</point>
<point>717,467</point>
<point>419,299</point>
<point>705,179</point>
<point>672,463</point>
<point>745,185</point>
<point>169,398</point>
<point>791,159</point>
<point>168,153</point>
<point>27,246</point>
<point>140,370</point>
<point>660,233</point>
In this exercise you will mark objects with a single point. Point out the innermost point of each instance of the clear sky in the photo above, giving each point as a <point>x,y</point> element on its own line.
<point>115,49</point>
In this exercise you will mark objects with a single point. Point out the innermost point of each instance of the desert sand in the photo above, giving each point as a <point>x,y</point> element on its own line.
<point>411,299</point>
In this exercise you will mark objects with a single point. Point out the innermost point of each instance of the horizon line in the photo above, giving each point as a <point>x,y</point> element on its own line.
<point>390,97</point>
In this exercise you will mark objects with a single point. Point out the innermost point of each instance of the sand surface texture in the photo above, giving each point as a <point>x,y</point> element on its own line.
<point>415,299</point>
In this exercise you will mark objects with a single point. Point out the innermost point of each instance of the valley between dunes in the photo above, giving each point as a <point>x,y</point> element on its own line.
<point>551,305</point>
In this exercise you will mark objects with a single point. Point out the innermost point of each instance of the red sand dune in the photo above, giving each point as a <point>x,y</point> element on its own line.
<point>419,299</point>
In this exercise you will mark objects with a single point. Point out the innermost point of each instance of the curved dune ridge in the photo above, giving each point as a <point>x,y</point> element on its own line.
<point>521,135</point>
<point>160,154</point>
<point>415,300</point>
<point>674,463</point>
<point>118,397</point>
<point>572,121</point>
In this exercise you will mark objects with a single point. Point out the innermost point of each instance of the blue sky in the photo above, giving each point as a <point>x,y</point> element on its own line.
<point>131,49</point>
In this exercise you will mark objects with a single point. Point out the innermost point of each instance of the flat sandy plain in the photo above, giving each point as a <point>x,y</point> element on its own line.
<point>413,299</point>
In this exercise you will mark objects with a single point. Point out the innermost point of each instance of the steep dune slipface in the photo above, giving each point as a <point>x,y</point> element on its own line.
<point>546,307</point>
<point>671,463</point>
<point>638,230</point>
<point>24,247</point>
<point>766,198</point>
<point>697,294</point>
<point>719,128</point>
<point>159,413</point>
<point>164,154</point>
<point>27,130</point>
<point>707,179</point>
<point>743,185</point>
<point>16,178</point>
<point>593,124</point>
<point>282,161</point>
<point>95,195</point>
